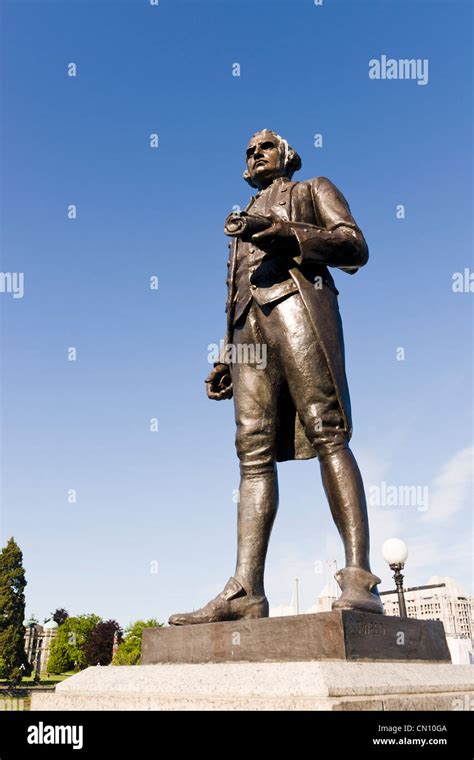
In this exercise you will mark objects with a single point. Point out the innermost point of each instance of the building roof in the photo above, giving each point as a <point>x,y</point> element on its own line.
<point>452,586</point>
<point>50,624</point>
<point>30,622</point>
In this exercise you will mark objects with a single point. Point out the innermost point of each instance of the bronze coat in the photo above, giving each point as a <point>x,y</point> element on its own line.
<point>327,235</point>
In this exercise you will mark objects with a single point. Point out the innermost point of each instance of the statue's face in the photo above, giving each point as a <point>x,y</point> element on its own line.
<point>264,159</point>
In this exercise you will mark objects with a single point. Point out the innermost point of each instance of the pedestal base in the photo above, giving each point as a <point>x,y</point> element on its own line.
<point>266,686</point>
<point>303,662</point>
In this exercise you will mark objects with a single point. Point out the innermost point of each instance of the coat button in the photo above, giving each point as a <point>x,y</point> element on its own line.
<point>282,203</point>
<point>254,287</point>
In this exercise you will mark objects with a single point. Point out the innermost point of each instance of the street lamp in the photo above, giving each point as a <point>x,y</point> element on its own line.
<point>395,553</point>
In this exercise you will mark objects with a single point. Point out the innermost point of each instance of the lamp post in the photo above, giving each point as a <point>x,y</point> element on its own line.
<point>395,553</point>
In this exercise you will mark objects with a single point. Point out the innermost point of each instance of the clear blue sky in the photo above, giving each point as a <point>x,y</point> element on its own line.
<point>167,497</point>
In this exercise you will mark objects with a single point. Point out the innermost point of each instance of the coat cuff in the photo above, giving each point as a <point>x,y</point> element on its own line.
<point>341,246</point>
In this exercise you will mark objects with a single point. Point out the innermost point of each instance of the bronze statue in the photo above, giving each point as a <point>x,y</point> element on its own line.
<point>296,404</point>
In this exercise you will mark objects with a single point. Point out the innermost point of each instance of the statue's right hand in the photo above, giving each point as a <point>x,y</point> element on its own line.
<point>219,383</point>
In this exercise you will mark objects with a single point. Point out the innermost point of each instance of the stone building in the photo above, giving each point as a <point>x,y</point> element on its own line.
<point>38,640</point>
<point>445,599</point>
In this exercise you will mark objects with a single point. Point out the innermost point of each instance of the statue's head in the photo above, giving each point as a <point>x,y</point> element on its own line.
<point>269,156</point>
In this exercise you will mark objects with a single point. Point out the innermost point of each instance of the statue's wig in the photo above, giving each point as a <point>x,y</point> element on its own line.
<point>291,159</point>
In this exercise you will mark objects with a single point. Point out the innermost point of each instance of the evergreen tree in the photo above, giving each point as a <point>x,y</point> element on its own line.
<point>13,660</point>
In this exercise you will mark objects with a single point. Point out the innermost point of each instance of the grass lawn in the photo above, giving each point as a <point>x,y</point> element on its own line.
<point>19,697</point>
<point>45,680</point>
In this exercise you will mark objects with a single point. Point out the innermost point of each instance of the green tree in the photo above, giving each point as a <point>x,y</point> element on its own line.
<point>13,660</point>
<point>128,652</point>
<point>68,648</point>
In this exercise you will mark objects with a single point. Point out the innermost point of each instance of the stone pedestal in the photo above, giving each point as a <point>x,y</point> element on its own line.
<point>252,686</point>
<point>342,635</point>
<point>328,661</point>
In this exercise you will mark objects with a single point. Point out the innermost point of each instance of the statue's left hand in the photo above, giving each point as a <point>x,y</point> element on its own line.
<point>219,383</point>
<point>280,230</point>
